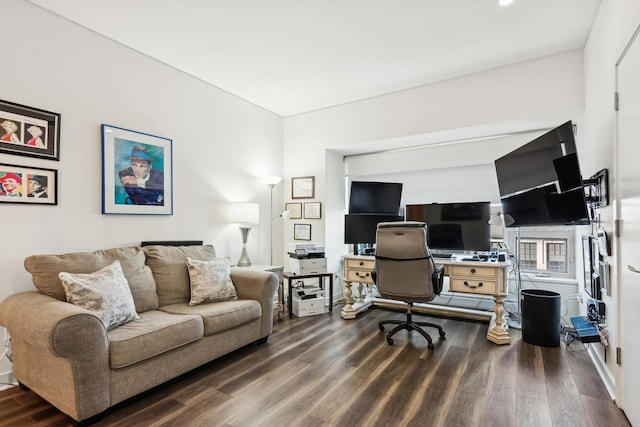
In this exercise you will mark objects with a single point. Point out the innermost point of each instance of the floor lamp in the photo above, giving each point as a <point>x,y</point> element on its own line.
<point>272,181</point>
<point>504,220</point>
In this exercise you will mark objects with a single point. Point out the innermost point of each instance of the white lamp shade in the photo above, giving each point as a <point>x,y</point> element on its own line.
<point>245,213</point>
<point>286,215</point>
<point>272,180</point>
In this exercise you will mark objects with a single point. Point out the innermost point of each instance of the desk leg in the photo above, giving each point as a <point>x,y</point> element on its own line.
<point>347,311</point>
<point>331,293</point>
<point>290,300</point>
<point>499,334</point>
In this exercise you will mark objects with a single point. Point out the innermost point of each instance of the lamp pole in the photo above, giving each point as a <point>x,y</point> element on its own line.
<point>271,181</point>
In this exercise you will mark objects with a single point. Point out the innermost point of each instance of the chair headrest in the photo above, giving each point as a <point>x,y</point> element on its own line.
<point>405,224</point>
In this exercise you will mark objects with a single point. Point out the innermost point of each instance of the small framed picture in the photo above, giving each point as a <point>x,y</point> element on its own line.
<point>26,184</point>
<point>312,210</point>
<point>28,131</point>
<point>295,210</point>
<point>137,176</point>
<point>303,187</point>
<point>587,264</point>
<point>302,231</point>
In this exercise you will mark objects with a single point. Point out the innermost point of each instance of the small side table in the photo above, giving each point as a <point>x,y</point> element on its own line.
<point>292,276</point>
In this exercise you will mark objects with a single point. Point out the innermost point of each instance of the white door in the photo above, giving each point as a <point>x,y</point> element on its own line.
<point>628,140</point>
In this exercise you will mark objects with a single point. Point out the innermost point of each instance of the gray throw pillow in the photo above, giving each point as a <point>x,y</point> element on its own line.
<point>105,292</point>
<point>210,281</point>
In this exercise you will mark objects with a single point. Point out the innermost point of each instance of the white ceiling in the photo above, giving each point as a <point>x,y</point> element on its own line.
<point>296,56</point>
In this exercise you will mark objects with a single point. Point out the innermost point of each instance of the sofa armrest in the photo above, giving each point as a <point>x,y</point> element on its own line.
<point>61,352</point>
<point>261,286</point>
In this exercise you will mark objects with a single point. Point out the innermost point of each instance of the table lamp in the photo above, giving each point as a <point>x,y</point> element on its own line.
<point>246,215</point>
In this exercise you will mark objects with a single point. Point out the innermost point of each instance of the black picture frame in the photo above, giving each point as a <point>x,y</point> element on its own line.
<point>587,264</point>
<point>29,131</point>
<point>30,185</point>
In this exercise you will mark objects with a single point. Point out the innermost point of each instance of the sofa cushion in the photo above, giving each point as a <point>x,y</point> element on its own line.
<point>45,270</point>
<point>156,332</point>
<point>210,281</point>
<point>105,292</point>
<point>220,316</point>
<point>169,267</point>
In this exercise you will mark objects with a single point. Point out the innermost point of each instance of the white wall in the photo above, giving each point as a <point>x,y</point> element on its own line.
<point>614,26</point>
<point>222,145</point>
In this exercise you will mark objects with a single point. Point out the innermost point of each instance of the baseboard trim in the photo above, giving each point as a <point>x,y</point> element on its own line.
<point>603,372</point>
<point>7,380</point>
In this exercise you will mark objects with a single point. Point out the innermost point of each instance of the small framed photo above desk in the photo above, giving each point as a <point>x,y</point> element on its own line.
<point>295,210</point>
<point>303,187</point>
<point>312,210</point>
<point>301,231</point>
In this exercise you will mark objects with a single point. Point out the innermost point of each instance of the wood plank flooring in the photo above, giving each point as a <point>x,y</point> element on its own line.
<point>325,371</point>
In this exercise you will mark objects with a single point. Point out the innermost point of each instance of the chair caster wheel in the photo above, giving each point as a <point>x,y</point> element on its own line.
<point>390,341</point>
<point>381,327</point>
<point>430,346</point>
<point>442,335</point>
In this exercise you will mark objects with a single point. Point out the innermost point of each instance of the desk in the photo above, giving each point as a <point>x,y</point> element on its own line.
<point>473,277</point>
<point>292,276</point>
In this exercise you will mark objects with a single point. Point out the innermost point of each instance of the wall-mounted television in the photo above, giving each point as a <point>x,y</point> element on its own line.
<point>540,183</point>
<point>368,197</point>
<point>454,227</point>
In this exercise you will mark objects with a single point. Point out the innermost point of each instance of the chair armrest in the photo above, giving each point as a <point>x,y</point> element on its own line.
<point>261,286</point>
<point>61,352</point>
<point>438,278</point>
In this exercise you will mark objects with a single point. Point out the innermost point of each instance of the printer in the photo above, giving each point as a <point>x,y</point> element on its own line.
<point>306,258</point>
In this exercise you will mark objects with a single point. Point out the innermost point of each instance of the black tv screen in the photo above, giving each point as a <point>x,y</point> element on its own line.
<point>361,228</point>
<point>368,197</point>
<point>454,226</point>
<point>540,183</point>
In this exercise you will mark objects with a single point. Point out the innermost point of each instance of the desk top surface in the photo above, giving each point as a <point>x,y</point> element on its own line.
<point>444,261</point>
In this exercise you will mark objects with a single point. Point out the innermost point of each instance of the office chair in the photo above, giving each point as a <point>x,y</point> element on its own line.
<point>405,271</point>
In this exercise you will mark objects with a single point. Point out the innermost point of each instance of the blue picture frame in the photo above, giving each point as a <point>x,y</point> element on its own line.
<point>137,172</point>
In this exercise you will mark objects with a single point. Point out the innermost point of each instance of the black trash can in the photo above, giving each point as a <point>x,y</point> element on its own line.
<point>541,317</point>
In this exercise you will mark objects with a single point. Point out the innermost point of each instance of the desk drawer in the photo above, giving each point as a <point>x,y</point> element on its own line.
<point>474,286</point>
<point>360,264</point>
<point>361,276</point>
<point>469,271</point>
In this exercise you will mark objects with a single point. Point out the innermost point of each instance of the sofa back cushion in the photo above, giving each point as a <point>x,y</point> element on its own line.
<point>45,270</point>
<point>169,267</point>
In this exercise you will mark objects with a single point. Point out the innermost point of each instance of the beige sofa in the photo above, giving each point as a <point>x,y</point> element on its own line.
<point>65,354</point>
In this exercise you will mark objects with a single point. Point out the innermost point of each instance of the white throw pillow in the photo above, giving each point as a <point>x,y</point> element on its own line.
<point>105,292</point>
<point>210,281</point>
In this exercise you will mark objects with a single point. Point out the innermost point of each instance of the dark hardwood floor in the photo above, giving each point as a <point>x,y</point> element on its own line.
<point>325,371</point>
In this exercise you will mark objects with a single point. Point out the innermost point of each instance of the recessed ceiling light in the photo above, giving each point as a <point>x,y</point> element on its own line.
<point>505,2</point>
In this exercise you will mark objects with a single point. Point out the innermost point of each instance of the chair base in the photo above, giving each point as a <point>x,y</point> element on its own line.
<point>410,325</point>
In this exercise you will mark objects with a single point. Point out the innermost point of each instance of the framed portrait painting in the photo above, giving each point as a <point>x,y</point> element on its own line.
<point>137,172</point>
<point>28,131</point>
<point>27,184</point>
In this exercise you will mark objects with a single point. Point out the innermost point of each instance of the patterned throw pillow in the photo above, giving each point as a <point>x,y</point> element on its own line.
<point>105,292</point>
<point>210,281</point>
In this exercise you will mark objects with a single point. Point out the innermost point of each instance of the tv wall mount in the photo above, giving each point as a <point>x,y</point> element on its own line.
<point>596,189</point>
